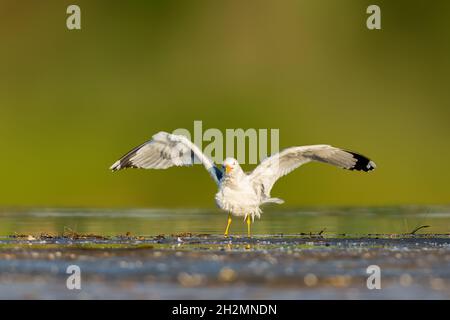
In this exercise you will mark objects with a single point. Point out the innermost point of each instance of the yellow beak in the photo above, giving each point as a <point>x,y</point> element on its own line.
<point>228,169</point>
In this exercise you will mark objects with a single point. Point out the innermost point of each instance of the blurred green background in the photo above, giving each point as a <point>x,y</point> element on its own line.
<point>72,102</point>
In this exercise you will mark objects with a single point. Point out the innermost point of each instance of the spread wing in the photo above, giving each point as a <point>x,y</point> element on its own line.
<point>271,169</point>
<point>166,150</point>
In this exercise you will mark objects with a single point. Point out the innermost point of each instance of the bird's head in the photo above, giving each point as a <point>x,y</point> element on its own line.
<point>230,165</point>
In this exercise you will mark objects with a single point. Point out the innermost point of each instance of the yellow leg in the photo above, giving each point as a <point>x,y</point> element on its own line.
<point>249,223</point>
<point>228,225</point>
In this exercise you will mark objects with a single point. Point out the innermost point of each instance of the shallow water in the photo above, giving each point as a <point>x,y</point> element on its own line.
<point>164,221</point>
<point>171,254</point>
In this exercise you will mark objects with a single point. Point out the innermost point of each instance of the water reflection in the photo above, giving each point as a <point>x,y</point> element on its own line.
<point>362,220</point>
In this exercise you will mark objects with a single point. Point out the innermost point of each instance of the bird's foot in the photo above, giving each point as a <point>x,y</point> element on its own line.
<point>228,226</point>
<point>249,223</point>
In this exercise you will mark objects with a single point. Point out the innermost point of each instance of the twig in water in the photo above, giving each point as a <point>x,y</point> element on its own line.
<point>418,228</point>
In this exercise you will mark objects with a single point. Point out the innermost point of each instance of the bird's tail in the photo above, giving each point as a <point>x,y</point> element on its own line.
<point>273,200</point>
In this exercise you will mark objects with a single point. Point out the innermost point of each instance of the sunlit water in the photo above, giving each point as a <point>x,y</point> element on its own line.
<point>308,253</point>
<point>164,221</point>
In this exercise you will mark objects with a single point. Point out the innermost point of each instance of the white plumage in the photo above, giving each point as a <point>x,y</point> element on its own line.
<point>239,194</point>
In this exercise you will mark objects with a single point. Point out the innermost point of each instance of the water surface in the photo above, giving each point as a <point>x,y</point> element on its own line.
<point>181,254</point>
<point>163,221</point>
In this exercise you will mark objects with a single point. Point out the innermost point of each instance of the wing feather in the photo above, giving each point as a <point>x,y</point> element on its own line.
<point>166,150</point>
<point>271,169</point>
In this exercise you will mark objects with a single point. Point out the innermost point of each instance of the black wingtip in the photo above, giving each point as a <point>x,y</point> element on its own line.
<point>362,163</point>
<point>125,161</point>
<point>116,166</point>
<point>122,164</point>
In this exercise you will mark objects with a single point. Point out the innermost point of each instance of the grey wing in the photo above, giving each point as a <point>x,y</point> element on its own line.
<point>166,150</point>
<point>282,163</point>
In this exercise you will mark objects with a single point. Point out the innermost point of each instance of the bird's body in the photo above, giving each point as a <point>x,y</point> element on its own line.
<point>239,194</point>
